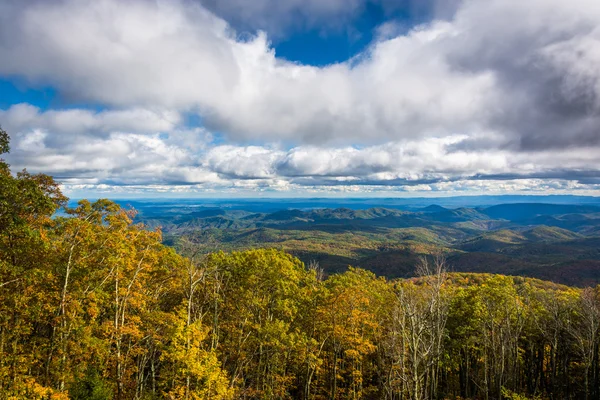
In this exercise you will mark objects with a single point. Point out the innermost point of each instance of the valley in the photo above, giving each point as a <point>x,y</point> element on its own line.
<point>557,242</point>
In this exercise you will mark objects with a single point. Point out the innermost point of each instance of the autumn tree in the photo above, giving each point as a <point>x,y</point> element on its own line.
<point>27,202</point>
<point>417,331</point>
<point>351,311</point>
<point>585,330</point>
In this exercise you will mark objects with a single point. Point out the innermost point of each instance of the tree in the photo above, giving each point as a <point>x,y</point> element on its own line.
<point>196,373</point>
<point>4,142</point>
<point>586,332</point>
<point>27,203</point>
<point>417,333</point>
<point>261,292</point>
<point>351,311</point>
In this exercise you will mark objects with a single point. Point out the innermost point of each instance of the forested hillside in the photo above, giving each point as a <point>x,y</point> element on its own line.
<point>94,306</point>
<point>557,242</point>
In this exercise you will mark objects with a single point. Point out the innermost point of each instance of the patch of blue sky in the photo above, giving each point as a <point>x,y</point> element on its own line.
<point>320,47</point>
<point>14,92</point>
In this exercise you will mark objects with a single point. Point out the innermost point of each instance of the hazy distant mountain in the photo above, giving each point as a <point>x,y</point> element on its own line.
<point>551,241</point>
<point>433,208</point>
<point>524,211</point>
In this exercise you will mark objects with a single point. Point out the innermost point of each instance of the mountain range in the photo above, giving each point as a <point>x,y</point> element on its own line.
<point>558,242</point>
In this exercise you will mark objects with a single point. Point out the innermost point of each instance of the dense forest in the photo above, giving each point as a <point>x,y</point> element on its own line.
<point>94,306</point>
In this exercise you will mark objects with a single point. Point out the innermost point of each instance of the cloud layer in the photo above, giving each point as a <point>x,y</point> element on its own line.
<point>501,91</point>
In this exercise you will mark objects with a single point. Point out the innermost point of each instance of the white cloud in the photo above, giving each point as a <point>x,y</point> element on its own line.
<point>32,141</point>
<point>120,158</point>
<point>524,68</point>
<point>504,89</point>
<point>175,55</point>
<point>80,121</point>
<point>251,162</point>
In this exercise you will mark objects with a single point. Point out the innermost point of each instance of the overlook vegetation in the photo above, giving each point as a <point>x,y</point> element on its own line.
<point>94,306</point>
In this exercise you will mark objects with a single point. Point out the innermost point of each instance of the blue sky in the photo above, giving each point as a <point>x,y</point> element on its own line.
<point>323,45</point>
<point>15,92</point>
<point>290,98</point>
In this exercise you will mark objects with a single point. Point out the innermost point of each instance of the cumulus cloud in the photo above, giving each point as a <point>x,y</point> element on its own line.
<point>524,68</point>
<point>155,159</point>
<point>116,146</point>
<point>498,90</point>
<point>82,121</point>
<point>178,55</point>
<point>253,162</point>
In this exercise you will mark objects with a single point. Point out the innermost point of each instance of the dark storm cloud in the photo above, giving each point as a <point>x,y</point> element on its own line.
<point>545,62</point>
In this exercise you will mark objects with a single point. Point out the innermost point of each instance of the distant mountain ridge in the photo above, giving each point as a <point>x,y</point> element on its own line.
<point>524,211</point>
<point>571,217</point>
<point>559,242</point>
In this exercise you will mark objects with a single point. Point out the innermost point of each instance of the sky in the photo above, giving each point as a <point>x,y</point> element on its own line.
<point>157,98</point>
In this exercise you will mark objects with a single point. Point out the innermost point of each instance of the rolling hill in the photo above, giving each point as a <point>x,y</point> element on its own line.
<point>558,242</point>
